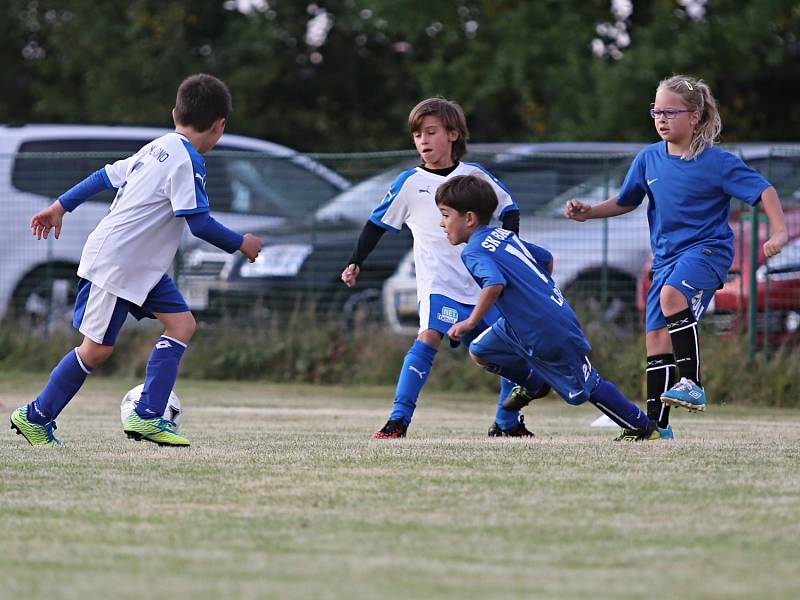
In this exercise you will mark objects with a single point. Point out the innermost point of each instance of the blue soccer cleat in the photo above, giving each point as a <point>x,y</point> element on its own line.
<point>666,433</point>
<point>685,393</point>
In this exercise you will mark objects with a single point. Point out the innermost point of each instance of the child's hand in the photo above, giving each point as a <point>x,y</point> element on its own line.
<point>577,210</point>
<point>457,331</point>
<point>775,243</point>
<point>47,219</point>
<point>251,246</point>
<point>350,275</point>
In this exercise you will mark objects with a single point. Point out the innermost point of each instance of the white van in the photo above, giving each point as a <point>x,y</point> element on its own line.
<point>252,184</point>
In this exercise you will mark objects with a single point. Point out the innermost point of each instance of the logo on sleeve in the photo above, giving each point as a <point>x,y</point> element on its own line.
<point>202,179</point>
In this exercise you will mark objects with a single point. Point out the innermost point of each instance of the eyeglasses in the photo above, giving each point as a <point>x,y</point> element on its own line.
<point>668,113</point>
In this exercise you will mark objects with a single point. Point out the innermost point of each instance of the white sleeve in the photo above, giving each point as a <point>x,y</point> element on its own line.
<point>392,212</point>
<point>186,186</point>
<point>505,202</point>
<point>118,171</point>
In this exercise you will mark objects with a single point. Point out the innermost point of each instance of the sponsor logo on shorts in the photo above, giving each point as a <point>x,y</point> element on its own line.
<point>448,315</point>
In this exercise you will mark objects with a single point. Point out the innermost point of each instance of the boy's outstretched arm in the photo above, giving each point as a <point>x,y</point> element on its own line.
<point>486,300</point>
<point>52,216</point>
<point>205,227</point>
<point>367,240</point>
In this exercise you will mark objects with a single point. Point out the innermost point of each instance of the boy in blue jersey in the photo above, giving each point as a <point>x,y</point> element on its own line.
<point>445,291</point>
<point>124,263</point>
<point>689,184</point>
<point>537,342</point>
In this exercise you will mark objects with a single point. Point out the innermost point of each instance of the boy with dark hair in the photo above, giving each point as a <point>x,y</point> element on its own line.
<point>445,291</point>
<point>537,341</point>
<point>124,263</point>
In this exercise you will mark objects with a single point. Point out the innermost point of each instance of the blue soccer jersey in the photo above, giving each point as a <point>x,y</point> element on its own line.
<point>531,303</point>
<point>689,201</point>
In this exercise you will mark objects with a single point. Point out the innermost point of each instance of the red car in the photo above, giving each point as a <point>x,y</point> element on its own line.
<point>777,289</point>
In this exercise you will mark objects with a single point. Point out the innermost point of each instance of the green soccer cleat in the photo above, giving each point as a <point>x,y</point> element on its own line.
<point>37,435</point>
<point>156,430</point>
<point>646,435</point>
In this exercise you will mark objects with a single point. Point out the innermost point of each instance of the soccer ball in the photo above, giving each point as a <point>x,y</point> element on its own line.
<point>131,399</point>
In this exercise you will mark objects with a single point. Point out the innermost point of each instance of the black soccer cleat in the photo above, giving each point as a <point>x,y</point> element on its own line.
<point>518,430</point>
<point>394,428</point>
<point>519,397</point>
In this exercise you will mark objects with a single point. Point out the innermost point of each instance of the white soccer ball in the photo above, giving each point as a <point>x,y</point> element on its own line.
<point>172,412</point>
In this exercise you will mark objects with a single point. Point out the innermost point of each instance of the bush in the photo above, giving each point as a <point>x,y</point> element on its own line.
<point>324,354</point>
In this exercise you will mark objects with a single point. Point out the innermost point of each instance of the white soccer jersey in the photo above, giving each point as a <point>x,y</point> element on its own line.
<point>134,245</point>
<point>411,200</point>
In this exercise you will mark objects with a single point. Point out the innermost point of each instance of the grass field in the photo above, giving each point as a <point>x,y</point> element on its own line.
<point>283,495</point>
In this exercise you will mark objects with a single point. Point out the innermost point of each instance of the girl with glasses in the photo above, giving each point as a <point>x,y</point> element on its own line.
<point>689,183</point>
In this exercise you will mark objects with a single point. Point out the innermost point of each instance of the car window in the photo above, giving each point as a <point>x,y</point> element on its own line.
<point>250,183</point>
<point>38,168</point>
<point>357,203</point>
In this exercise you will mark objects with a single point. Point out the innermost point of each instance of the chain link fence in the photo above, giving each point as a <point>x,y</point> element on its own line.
<point>309,210</point>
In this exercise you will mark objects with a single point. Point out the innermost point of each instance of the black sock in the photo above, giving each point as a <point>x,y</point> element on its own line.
<point>660,377</point>
<point>685,344</point>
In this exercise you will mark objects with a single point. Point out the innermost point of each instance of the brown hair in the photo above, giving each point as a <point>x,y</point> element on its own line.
<point>201,100</point>
<point>468,193</point>
<point>697,96</point>
<point>451,115</point>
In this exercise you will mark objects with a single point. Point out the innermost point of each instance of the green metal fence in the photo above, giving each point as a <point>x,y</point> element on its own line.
<point>309,217</point>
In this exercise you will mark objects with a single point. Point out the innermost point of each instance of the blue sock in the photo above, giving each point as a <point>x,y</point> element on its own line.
<point>162,371</point>
<point>504,418</point>
<point>518,371</point>
<point>413,376</point>
<point>65,381</point>
<point>617,407</point>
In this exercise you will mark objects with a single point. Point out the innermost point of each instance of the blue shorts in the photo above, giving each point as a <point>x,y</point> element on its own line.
<point>99,314</point>
<point>567,371</point>
<point>691,275</point>
<point>440,313</point>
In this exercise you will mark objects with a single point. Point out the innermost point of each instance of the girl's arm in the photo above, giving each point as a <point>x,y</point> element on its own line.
<point>772,206</point>
<point>580,211</point>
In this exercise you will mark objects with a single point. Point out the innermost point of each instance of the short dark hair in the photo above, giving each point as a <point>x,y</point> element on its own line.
<point>468,193</point>
<point>202,99</point>
<point>451,115</point>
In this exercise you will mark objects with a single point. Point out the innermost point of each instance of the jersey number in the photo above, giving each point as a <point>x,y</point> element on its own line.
<point>524,255</point>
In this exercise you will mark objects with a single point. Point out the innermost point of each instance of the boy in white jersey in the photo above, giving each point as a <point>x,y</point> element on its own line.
<point>446,293</point>
<point>125,259</point>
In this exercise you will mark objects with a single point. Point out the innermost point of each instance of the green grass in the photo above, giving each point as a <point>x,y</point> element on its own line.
<point>284,495</point>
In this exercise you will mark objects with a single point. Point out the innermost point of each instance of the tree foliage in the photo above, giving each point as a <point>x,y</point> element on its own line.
<point>339,75</point>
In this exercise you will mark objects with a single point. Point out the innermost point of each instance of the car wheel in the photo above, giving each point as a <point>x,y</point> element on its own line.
<point>585,296</point>
<point>363,308</point>
<point>45,298</point>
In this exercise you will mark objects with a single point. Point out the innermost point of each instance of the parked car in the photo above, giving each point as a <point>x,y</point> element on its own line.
<point>302,261</point>
<point>541,178</point>
<point>597,255</point>
<point>252,184</point>
<point>777,285</point>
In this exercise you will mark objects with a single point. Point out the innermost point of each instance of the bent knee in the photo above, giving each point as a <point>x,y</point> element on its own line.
<point>478,360</point>
<point>672,300</point>
<point>93,354</point>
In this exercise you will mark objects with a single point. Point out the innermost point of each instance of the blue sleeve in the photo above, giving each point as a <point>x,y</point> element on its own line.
<point>80,192</point>
<point>634,188</point>
<point>540,255</point>
<point>741,181</point>
<point>482,267</point>
<point>205,227</point>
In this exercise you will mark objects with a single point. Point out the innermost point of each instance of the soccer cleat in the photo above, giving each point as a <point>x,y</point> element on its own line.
<point>394,428</point>
<point>666,433</point>
<point>518,399</point>
<point>685,393</point>
<point>653,432</point>
<point>37,435</point>
<point>157,430</point>
<point>518,430</point>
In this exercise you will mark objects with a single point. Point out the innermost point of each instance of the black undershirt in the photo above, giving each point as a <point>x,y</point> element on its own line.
<point>371,233</point>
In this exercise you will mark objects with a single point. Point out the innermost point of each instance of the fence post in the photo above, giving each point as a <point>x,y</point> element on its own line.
<point>752,301</point>
<point>604,267</point>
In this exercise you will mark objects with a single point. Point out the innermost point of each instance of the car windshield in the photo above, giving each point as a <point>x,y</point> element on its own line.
<point>257,184</point>
<point>357,203</point>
